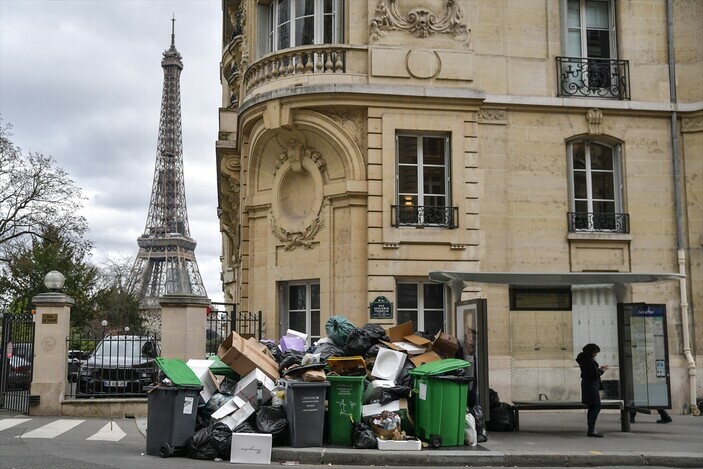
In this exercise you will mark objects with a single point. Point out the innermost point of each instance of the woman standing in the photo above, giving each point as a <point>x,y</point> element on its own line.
<point>590,385</point>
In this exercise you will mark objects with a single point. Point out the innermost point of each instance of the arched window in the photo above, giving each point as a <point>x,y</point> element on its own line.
<point>595,186</point>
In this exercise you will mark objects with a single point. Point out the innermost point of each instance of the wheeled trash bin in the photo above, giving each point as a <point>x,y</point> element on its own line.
<point>344,407</point>
<point>440,401</point>
<point>305,411</point>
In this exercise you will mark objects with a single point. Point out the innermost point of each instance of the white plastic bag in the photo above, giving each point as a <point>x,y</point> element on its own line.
<point>470,437</point>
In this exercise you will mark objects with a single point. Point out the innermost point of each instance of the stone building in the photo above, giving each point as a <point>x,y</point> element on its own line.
<point>364,144</point>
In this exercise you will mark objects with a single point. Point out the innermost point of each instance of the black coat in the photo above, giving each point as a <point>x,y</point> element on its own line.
<point>590,378</point>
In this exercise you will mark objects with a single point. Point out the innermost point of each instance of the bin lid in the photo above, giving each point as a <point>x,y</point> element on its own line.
<point>221,368</point>
<point>440,367</point>
<point>178,372</point>
<point>345,378</point>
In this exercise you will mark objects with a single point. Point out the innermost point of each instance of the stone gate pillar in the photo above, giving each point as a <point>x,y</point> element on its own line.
<point>183,324</point>
<point>50,369</point>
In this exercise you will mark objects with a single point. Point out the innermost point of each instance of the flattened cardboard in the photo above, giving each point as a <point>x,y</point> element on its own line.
<point>239,416</point>
<point>425,358</point>
<point>445,345</point>
<point>406,340</point>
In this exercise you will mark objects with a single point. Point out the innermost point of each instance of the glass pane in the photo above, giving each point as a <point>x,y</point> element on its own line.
<point>407,150</point>
<point>603,207</point>
<point>407,295</point>
<point>296,321</point>
<point>433,150</point>
<point>579,156</point>
<point>598,44</point>
<point>327,33</point>
<point>434,180</point>
<point>407,179</point>
<point>573,14</point>
<point>315,296</point>
<point>315,323</point>
<point>601,157</point>
<point>581,206</point>
<point>434,295</point>
<point>305,31</point>
<point>580,187</point>
<point>284,36</point>
<point>434,201</point>
<point>602,185</point>
<point>597,14</point>
<point>434,322</point>
<point>283,11</point>
<point>296,297</point>
<point>304,7</point>
<point>573,43</point>
<point>405,316</point>
<point>328,6</point>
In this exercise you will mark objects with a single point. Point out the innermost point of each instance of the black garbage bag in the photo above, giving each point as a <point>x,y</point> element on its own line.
<point>372,352</point>
<point>362,436</point>
<point>493,399</point>
<point>290,358</point>
<point>221,438</point>
<point>358,342</point>
<point>227,386</point>
<point>394,393</point>
<point>404,377</point>
<point>376,332</point>
<point>502,418</point>
<point>338,329</point>
<point>204,415</point>
<point>481,434</point>
<point>244,427</point>
<point>327,350</point>
<point>201,446</point>
<point>273,348</point>
<point>272,419</point>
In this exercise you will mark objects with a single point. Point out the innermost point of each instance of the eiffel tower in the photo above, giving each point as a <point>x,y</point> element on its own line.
<point>166,261</point>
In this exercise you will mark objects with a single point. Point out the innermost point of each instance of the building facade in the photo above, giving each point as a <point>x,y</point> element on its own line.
<point>364,144</point>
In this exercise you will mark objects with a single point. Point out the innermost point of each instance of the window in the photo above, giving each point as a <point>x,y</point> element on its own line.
<point>302,300</point>
<point>540,299</point>
<point>291,23</point>
<point>591,29</point>
<point>423,304</point>
<point>423,181</point>
<point>596,188</point>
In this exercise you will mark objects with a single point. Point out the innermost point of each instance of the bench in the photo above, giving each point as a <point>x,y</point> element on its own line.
<point>567,405</point>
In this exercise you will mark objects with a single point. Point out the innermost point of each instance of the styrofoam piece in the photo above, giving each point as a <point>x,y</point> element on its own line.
<point>399,445</point>
<point>228,407</point>
<point>388,364</point>
<point>410,348</point>
<point>251,448</point>
<point>375,384</point>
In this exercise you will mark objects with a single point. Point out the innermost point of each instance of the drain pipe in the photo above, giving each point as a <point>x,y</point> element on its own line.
<point>680,243</point>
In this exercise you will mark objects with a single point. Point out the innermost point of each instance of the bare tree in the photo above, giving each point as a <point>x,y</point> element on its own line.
<point>35,194</point>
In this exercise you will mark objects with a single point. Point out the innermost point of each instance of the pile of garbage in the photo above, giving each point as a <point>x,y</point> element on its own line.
<point>244,386</point>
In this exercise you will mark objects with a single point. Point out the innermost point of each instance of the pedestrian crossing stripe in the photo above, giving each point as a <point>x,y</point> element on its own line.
<point>110,432</point>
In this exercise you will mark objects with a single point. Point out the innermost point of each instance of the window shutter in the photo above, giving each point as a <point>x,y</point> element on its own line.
<point>563,24</point>
<point>262,30</point>
<point>338,22</point>
<point>613,37</point>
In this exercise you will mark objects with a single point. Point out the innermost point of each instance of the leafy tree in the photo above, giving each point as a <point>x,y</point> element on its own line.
<point>29,259</point>
<point>36,196</point>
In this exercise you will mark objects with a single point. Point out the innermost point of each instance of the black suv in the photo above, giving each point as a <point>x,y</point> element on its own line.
<point>120,366</point>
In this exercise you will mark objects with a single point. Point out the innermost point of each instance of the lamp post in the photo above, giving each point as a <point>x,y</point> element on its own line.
<point>104,323</point>
<point>126,330</point>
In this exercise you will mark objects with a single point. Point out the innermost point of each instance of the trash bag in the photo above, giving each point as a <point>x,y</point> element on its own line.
<point>358,342</point>
<point>470,437</point>
<point>502,418</point>
<point>363,436</point>
<point>372,352</point>
<point>221,438</point>
<point>481,435</point>
<point>216,401</point>
<point>244,427</point>
<point>338,329</point>
<point>493,399</point>
<point>290,358</point>
<point>272,419</point>
<point>376,332</point>
<point>227,386</point>
<point>394,393</point>
<point>201,446</point>
<point>404,377</point>
<point>327,350</point>
<point>273,348</point>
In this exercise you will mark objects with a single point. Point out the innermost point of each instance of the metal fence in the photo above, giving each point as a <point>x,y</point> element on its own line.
<point>16,361</point>
<point>223,318</point>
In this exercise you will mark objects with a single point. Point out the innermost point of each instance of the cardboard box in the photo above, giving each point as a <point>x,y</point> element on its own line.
<point>256,345</point>
<point>211,384</point>
<point>425,358</point>
<point>247,387</point>
<point>445,345</point>
<point>251,448</point>
<point>228,408</point>
<point>412,444</point>
<point>239,416</point>
<point>244,357</point>
<point>404,339</point>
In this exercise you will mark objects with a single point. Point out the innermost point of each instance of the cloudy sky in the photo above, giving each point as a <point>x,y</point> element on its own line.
<point>82,80</point>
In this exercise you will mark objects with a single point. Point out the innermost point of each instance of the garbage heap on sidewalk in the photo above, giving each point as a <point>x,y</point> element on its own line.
<point>360,387</point>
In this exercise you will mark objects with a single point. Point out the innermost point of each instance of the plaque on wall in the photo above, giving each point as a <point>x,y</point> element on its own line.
<point>381,308</point>
<point>49,318</point>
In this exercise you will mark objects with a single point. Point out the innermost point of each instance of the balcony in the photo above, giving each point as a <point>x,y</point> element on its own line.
<point>421,216</point>
<point>593,78</point>
<point>598,222</point>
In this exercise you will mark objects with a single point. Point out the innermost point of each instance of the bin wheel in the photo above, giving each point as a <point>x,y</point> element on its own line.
<point>436,441</point>
<point>165,450</point>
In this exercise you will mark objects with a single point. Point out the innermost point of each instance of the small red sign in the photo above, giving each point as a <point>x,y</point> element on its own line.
<point>8,350</point>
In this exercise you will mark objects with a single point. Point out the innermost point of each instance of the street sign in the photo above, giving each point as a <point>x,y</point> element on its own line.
<point>8,349</point>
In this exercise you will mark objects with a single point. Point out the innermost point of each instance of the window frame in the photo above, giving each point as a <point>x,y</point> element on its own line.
<point>273,23</point>
<point>583,29</point>
<point>286,291</point>
<point>420,309</point>
<point>403,199</point>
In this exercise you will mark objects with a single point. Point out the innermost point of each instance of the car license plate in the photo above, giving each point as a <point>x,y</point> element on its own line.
<point>114,384</point>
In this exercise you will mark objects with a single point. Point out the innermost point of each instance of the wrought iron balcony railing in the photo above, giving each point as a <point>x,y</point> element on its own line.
<point>593,78</point>
<point>609,222</point>
<point>403,215</point>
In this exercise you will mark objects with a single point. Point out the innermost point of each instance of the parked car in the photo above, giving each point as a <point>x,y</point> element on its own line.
<point>75,359</point>
<point>20,376</point>
<point>120,366</point>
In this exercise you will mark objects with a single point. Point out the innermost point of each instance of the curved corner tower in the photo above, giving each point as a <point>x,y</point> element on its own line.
<point>166,261</point>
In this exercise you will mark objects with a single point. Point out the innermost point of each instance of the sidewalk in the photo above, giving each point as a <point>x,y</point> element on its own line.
<point>546,439</point>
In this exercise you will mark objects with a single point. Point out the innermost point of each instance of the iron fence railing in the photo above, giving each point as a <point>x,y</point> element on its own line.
<point>224,318</point>
<point>418,215</point>
<point>608,222</point>
<point>593,78</point>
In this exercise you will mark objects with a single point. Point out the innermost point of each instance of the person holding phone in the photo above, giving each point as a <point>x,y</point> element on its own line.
<point>591,385</point>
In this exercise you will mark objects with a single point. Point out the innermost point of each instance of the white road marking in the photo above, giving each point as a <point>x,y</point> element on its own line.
<point>9,423</point>
<point>53,429</point>
<point>110,432</point>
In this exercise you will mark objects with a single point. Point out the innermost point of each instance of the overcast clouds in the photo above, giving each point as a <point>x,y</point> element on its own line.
<point>82,80</point>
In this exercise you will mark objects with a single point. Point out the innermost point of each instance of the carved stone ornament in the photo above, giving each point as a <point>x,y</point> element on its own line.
<point>492,116</point>
<point>692,124</point>
<point>594,116</point>
<point>296,214</point>
<point>419,22</point>
<point>352,121</point>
